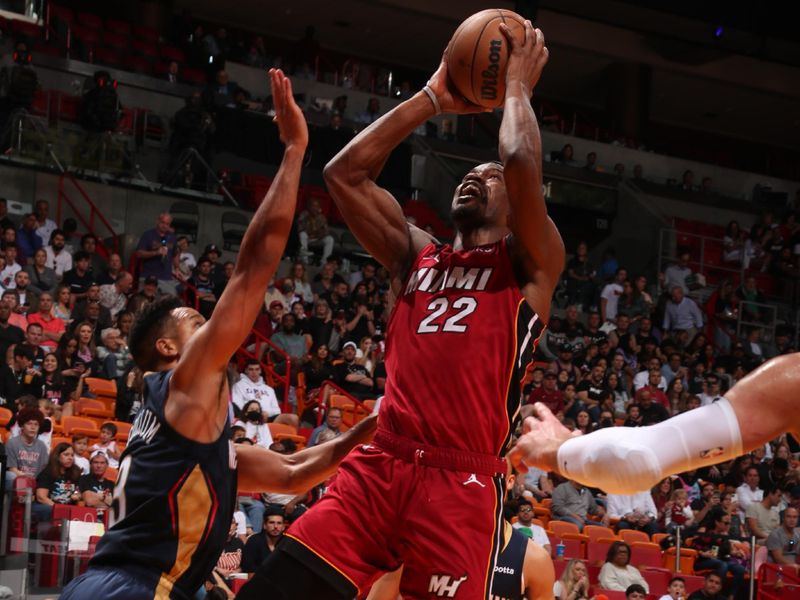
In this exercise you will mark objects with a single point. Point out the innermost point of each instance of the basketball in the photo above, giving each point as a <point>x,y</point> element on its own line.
<point>476,62</point>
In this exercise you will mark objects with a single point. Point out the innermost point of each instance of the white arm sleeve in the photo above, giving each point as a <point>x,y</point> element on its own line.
<point>625,460</point>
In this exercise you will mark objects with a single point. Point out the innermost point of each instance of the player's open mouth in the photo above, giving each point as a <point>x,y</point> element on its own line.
<point>470,191</point>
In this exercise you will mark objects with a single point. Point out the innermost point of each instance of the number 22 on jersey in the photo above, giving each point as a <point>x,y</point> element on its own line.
<point>446,316</point>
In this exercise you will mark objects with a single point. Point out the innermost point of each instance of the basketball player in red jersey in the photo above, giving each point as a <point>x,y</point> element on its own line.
<point>428,494</point>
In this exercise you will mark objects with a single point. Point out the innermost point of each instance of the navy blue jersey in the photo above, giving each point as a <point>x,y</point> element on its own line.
<point>507,580</point>
<point>173,502</point>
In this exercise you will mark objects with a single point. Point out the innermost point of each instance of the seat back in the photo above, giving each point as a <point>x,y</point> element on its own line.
<point>562,527</point>
<point>5,416</point>
<point>632,535</point>
<point>597,551</point>
<point>646,554</point>
<point>72,422</point>
<point>598,531</point>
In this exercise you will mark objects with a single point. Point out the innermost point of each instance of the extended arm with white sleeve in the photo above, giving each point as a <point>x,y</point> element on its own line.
<point>625,460</point>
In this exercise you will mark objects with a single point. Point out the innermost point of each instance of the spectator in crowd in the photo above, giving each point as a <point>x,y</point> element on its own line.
<point>762,516</point>
<point>42,277</point>
<point>107,444</point>
<point>227,273</point>
<point>201,290</point>
<point>680,513</point>
<point>221,93</point>
<point>27,241</point>
<point>351,376</point>
<point>9,333</point>
<point>53,387</point>
<point>186,260</point>
<point>573,502</point>
<point>83,308</point>
<point>97,264</point>
<point>260,545</point>
<point>26,454</point>
<point>580,278</point>
<point>52,327</point>
<point>292,343</point>
<point>97,491</point>
<point>57,483</point>
<point>783,543</point>
<point>617,574</point>
<point>45,226</point>
<point>609,297</point>
<point>331,427</point>
<point>255,427</point>
<point>749,297</point>
<point>301,285</point>
<point>714,550</point>
<point>252,387</point>
<point>635,592</point>
<point>677,274</point>
<point>749,492</point>
<point>59,258</point>
<point>711,590</point>
<point>682,313</point>
<point>114,356</point>
<point>5,219</point>
<point>79,278</point>
<point>526,526</point>
<point>676,590</point>
<point>549,394</point>
<point>651,411</point>
<point>20,378</point>
<point>707,501</point>
<point>591,162</point>
<point>592,391</point>
<point>173,72</point>
<point>634,511</point>
<point>12,267</point>
<point>566,156</point>
<point>114,296</point>
<point>312,227</point>
<point>156,249</point>
<point>574,582</point>
<point>27,294</point>
<point>149,293</point>
<point>713,391</point>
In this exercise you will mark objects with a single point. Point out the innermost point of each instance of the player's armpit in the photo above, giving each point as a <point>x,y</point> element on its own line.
<point>538,573</point>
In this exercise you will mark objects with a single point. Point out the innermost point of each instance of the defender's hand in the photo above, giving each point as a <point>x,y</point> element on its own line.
<point>539,444</point>
<point>288,116</point>
<point>450,99</point>
<point>527,58</point>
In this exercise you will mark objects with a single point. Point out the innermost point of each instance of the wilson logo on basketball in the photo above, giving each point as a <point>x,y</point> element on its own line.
<point>491,72</point>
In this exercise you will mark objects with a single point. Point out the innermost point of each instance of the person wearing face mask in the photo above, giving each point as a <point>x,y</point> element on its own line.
<point>254,426</point>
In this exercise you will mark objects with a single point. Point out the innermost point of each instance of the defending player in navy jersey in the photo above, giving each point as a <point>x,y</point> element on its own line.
<point>178,476</point>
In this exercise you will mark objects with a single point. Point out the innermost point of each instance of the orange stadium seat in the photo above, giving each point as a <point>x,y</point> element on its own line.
<point>632,535</point>
<point>646,554</point>
<point>562,527</point>
<point>598,531</point>
<point>72,423</point>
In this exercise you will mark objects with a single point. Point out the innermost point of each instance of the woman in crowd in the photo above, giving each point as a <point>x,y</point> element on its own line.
<point>661,498</point>
<point>57,483</point>
<point>727,501</point>
<point>320,324</point>
<point>574,583</point>
<point>617,574</point>
<point>300,318</point>
<point>677,395</point>
<point>619,396</point>
<point>254,426</point>
<point>733,243</point>
<point>366,354</point>
<point>318,369</point>
<point>61,307</point>
<point>583,421</point>
<point>631,303</point>
<point>42,277</point>
<point>302,287</point>
<point>124,324</point>
<point>54,387</point>
<point>87,350</point>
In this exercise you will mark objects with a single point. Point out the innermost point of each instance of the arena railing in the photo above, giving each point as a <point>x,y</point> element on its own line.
<point>93,220</point>
<point>330,388</point>
<point>777,583</point>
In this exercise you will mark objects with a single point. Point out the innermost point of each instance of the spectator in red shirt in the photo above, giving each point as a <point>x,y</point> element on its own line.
<point>549,394</point>
<point>652,386</point>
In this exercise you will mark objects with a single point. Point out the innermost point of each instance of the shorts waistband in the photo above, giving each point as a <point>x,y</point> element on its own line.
<point>440,458</point>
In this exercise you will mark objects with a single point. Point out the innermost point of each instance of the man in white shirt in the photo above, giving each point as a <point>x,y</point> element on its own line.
<point>677,274</point>
<point>11,269</point>
<point>44,225</point>
<point>251,386</point>
<point>749,492</point>
<point>609,297</point>
<point>635,511</point>
<point>712,393</point>
<point>525,525</point>
<point>642,378</point>
<point>58,257</point>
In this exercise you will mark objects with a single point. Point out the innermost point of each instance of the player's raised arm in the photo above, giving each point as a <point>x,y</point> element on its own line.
<point>520,148</point>
<point>209,351</point>
<point>263,470</point>
<point>371,212</point>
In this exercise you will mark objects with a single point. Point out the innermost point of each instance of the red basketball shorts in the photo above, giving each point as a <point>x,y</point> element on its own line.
<point>436,511</point>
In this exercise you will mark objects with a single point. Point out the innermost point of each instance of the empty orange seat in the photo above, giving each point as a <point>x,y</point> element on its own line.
<point>632,535</point>
<point>71,423</point>
<point>102,387</point>
<point>646,554</point>
<point>598,531</point>
<point>562,527</point>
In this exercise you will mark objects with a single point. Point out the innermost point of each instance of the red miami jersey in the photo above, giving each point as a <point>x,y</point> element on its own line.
<point>458,341</point>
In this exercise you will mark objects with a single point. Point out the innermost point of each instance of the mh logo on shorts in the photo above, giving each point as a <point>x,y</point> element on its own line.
<point>445,586</point>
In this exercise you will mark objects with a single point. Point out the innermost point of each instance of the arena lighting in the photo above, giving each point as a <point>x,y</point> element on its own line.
<point>718,31</point>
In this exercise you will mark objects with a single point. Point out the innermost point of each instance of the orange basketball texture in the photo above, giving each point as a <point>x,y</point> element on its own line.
<point>476,62</point>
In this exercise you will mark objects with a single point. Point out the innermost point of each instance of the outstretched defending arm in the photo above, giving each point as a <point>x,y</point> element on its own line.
<point>536,237</point>
<point>624,460</point>
<point>371,212</point>
<point>196,407</point>
<point>262,470</point>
